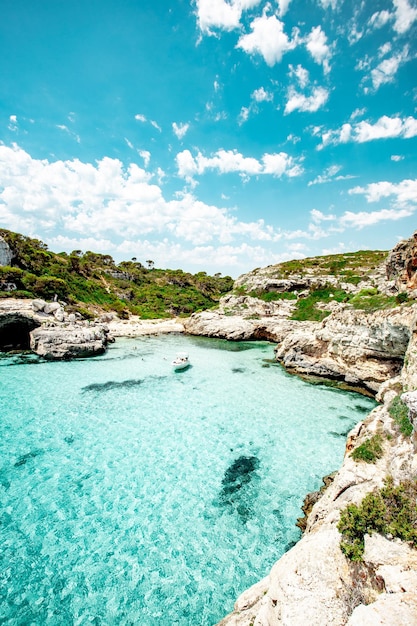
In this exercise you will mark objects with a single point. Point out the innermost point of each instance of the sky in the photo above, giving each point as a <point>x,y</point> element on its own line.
<point>209,135</point>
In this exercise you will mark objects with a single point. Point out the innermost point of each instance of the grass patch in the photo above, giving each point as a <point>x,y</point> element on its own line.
<point>369,451</point>
<point>399,413</point>
<point>307,310</point>
<point>391,510</point>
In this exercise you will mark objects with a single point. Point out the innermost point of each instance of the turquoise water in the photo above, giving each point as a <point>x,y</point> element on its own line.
<point>132,494</point>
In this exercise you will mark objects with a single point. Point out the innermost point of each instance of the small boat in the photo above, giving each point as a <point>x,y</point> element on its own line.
<point>181,361</point>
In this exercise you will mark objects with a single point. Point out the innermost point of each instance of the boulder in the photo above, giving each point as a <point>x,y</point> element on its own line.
<point>68,341</point>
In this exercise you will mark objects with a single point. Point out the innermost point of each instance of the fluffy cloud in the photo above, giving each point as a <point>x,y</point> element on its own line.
<point>105,205</point>
<point>261,95</point>
<point>13,126</point>
<point>363,218</point>
<point>300,74</point>
<point>405,16</point>
<point>404,193</point>
<point>180,130</point>
<point>298,101</point>
<point>220,14</point>
<point>231,161</point>
<point>379,19</point>
<point>385,128</point>
<point>387,69</point>
<point>316,43</point>
<point>267,39</point>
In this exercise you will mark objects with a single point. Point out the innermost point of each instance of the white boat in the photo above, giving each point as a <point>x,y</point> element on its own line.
<point>181,361</point>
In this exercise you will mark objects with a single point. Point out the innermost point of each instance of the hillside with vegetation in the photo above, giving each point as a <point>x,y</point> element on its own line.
<point>92,283</point>
<point>316,284</point>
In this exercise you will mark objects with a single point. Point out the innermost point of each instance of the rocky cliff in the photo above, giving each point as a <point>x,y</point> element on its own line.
<point>373,350</point>
<point>48,331</point>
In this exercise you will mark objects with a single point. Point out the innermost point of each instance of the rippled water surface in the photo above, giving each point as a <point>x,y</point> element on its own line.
<point>132,494</point>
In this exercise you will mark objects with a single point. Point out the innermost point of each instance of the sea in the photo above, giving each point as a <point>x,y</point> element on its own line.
<point>132,494</point>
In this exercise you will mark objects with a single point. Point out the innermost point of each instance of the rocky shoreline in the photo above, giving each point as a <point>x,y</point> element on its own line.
<point>375,352</point>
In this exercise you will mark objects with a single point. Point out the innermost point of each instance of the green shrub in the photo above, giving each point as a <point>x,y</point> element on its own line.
<point>369,451</point>
<point>390,510</point>
<point>399,413</point>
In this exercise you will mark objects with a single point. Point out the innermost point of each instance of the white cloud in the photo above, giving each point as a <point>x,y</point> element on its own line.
<point>328,3</point>
<point>231,161</point>
<point>69,132</point>
<point>404,193</point>
<point>405,16</point>
<point>385,128</point>
<point>13,125</point>
<point>357,113</point>
<point>318,216</point>
<point>379,19</point>
<point>362,219</point>
<point>283,6</point>
<point>106,202</point>
<point>180,130</point>
<point>243,115</point>
<point>220,14</point>
<point>386,70</point>
<point>267,39</point>
<point>397,157</point>
<point>140,117</point>
<point>297,101</point>
<point>156,125</point>
<point>146,156</point>
<point>328,175</point>
<point>261,95</point>
<point>129,143</point>
<point>301,75</point>
<point>316,43</point>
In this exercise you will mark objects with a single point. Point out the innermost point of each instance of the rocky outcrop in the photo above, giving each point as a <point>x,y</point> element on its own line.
<point>6,254</point>
<point>314,582</point>
<point>402,265</point>
<point>361,349</point>
<point>48,331</point>
<point>68,341</point>
<point>315,579</point>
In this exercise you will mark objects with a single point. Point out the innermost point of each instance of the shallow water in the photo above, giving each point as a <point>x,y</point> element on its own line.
<point>132,494</point>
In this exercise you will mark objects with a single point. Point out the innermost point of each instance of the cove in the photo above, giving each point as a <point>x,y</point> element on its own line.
<point>132,494</point>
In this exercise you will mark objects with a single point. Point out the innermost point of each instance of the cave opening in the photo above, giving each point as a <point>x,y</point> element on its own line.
<point>14,333</point>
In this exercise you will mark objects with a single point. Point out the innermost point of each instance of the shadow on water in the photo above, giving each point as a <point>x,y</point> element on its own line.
<point>22,460</point>
<point>238,486</point>
<point>115,384</point>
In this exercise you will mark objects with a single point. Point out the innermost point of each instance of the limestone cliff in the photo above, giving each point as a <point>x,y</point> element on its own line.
<point>315,582</point>
<point>48,331</point>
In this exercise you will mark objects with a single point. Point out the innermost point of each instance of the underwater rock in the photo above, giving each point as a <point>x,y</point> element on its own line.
<point>237,481</point>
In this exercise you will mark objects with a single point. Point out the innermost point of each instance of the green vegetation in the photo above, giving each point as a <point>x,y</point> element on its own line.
<point>90,282</point>
<point>369,451</point>
<point>391,510</point>
<point>351,266</point>
<point>307,307</point>
<point>399,413</point>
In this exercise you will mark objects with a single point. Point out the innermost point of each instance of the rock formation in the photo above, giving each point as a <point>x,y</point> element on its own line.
<point>402,265</point>
<point>6,254</point>
<point>314,582</point>
<point>48,331</point>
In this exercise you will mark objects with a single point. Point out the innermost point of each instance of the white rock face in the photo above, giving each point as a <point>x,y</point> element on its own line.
<point>68,342</point>
<point>314,583</point>
<point>6,255</point>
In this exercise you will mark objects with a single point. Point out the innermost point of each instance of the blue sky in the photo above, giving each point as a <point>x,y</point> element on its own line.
<point>209,135</point>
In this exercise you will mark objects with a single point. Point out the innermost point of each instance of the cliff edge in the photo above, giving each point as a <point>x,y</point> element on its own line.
<point>354,565</point>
